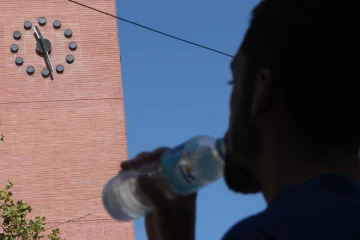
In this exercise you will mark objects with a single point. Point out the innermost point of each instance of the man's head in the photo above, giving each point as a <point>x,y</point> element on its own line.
<point>295,75</point>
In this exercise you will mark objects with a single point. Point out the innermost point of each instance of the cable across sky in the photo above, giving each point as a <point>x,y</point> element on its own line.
<point>156,31</point>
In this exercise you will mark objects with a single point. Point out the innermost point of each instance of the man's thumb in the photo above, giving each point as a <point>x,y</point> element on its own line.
<point>152,191</point>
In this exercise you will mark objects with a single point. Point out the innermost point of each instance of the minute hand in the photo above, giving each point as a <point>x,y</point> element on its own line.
<point>43,45</point>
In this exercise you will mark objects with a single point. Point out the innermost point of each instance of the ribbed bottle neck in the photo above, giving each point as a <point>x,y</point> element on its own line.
<point>220,146</point>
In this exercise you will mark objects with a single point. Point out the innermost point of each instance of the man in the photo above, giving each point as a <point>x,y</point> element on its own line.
<point>294,128</point>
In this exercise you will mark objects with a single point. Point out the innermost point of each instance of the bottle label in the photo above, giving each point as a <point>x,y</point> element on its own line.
<point>180,173</point>
<point>186,172</point>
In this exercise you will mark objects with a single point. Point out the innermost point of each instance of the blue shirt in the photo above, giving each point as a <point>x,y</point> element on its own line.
<point>327,207</point>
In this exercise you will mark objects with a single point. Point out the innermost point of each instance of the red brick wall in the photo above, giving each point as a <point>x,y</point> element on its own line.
<point>63,138</point>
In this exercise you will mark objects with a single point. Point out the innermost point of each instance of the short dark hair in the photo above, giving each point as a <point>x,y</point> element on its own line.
<point>312,50</point>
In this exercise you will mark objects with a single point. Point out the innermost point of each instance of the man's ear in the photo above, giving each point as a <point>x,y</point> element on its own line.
<point>262,91</point>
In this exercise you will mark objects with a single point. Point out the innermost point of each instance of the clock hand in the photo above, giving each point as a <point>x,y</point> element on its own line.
<point>44,46</point>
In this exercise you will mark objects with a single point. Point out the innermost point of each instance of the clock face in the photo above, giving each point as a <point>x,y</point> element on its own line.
<point>43,46</point>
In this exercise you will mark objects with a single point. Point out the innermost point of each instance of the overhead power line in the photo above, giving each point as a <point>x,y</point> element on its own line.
<point>154,30</point>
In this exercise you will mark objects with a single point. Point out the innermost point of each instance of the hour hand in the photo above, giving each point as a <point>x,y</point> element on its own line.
<point>43,46</point>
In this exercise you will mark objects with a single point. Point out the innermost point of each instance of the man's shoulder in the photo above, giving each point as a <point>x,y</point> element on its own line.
<point>324,208</point>
<point>249,228</point>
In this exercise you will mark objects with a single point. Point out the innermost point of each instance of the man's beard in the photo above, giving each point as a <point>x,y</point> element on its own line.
<point>240,164</point>
<point>239,179</point>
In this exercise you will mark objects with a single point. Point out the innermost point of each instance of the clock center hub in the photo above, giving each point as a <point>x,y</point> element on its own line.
<point>47,46</point>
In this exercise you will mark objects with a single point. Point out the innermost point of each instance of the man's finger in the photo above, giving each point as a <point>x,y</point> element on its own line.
<point>129,163</point>
<point>142,158</point>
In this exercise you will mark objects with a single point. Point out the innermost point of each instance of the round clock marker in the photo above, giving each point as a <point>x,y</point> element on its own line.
<point>45,73</point>
<point>57,24</point>
<point>42,21</point>
<point>72,46</point>
<point>70,59</point>
<point>68,33</point>
<point>27,25</point>
<point>14,48</point>
<point>60,68</point>
<point>17,35</point>
<point>19,61</point>
<point>30,70</point>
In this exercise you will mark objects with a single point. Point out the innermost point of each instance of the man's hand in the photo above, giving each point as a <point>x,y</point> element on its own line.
<point>171,219</point>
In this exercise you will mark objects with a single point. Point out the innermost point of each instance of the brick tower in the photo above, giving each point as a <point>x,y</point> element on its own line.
<point>64,132</point>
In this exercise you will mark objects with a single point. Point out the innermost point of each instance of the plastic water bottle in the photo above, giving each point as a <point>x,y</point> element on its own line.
<point>182,170</point>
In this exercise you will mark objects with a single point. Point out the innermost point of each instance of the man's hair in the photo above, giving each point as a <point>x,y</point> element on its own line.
<point>312,50</point>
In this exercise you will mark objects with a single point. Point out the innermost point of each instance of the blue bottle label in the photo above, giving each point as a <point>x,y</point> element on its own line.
<point>180,173</point>
<point>187,173</point>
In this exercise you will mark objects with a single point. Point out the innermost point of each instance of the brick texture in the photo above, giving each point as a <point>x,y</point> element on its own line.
<point>64,138</point>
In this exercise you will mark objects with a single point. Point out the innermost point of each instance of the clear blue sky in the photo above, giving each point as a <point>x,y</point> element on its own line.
<point>174,91</point>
